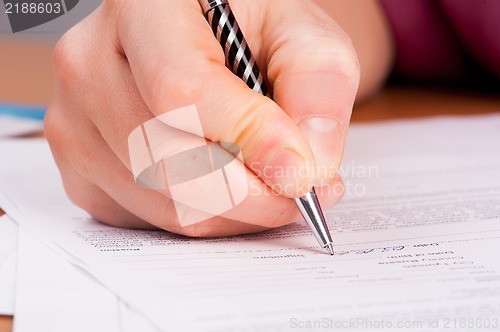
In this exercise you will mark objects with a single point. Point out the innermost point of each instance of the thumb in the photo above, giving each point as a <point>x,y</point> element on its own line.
<point>315,75</point>
<point>175,70</point>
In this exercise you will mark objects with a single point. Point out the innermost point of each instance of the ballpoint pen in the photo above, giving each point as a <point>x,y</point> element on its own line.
<point>240,60</point>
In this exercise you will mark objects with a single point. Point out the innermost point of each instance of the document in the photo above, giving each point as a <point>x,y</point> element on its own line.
<point>46,293</point>
<point>52,295</point>
<point>8,238</point>
<point>416,239</point>
<point>8,260</point>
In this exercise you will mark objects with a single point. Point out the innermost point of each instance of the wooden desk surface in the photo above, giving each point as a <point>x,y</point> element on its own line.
<point>30,82</point>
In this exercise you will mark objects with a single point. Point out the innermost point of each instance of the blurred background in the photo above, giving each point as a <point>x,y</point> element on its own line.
<point>25,68</point>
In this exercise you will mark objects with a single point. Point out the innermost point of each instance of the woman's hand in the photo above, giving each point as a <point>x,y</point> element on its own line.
<point>131,61</point>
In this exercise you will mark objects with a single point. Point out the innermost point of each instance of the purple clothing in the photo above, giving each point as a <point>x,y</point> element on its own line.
<point>434,38</point>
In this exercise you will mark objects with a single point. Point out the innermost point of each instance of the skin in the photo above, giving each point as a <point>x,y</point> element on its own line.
<point>122,66</point>
<point>366,25</point>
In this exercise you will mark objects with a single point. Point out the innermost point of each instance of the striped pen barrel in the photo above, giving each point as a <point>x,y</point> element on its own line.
<point>240,60</point>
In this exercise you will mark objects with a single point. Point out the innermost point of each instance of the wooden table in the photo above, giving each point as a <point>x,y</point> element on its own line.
<point>30,82</point>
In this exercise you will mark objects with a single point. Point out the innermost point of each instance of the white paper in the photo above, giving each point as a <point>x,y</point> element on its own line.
<point>131,321</point>
<point>50,287</point>
<point>8,260</point>
<point>7,285</point>
<point>52,295</point>
<point>8,238</point>
<point>16,126</point>
<point>415,245</point>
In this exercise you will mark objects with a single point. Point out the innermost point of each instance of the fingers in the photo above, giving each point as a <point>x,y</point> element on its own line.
<point>90,161</point>
<point>82,123</point>
<point>174,70</point>
<point>93,174</point>
<point>98,204</point>
<point>315,74</point>
<point>145,71</point>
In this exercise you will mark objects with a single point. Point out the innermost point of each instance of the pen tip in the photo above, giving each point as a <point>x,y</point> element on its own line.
<point>329,247</point>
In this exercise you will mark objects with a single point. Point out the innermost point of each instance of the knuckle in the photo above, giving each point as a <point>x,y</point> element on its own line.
<point>345,62</point>
<point>72,186</point>
<point>67,61</point>
<point>89,203</point>
<point>111,6</point>
<point>118,9</point>
<point>194,231</point>
<point>56,131</point>
<point>213,227</point>
<point>90,198</point>
<point>83,201</point>
<point>324,54</point>
<point>177,85</point>
<point>251,123</point>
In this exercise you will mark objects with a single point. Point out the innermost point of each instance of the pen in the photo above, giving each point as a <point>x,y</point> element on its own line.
<point>240,60</point>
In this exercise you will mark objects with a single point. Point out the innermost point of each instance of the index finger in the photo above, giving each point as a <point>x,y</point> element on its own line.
<point>180,63</point>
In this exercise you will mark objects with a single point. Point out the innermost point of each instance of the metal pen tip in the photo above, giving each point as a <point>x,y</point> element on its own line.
<point>329,247</point>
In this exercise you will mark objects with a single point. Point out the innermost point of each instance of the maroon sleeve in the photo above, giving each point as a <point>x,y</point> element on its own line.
<point>434,38</point>
<point>477,24</point>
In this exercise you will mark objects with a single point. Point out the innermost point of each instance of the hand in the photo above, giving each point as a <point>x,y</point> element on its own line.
<point>130,61</point>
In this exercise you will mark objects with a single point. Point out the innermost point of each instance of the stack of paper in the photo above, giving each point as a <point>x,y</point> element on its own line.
<point>416,237</point>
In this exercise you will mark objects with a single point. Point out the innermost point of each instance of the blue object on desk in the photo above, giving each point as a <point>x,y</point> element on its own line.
<point>23,111</point>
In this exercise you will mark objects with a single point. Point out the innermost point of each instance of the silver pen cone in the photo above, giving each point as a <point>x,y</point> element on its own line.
<point>329,247</point>
<point>311,211</point>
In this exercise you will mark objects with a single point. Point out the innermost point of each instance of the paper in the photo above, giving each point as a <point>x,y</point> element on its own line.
<point>8,238</point>
<point>49,287</point>
<point>415,242</point>
<point>51,294</point>
<point>8,260</point>
<point>11,126</point>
